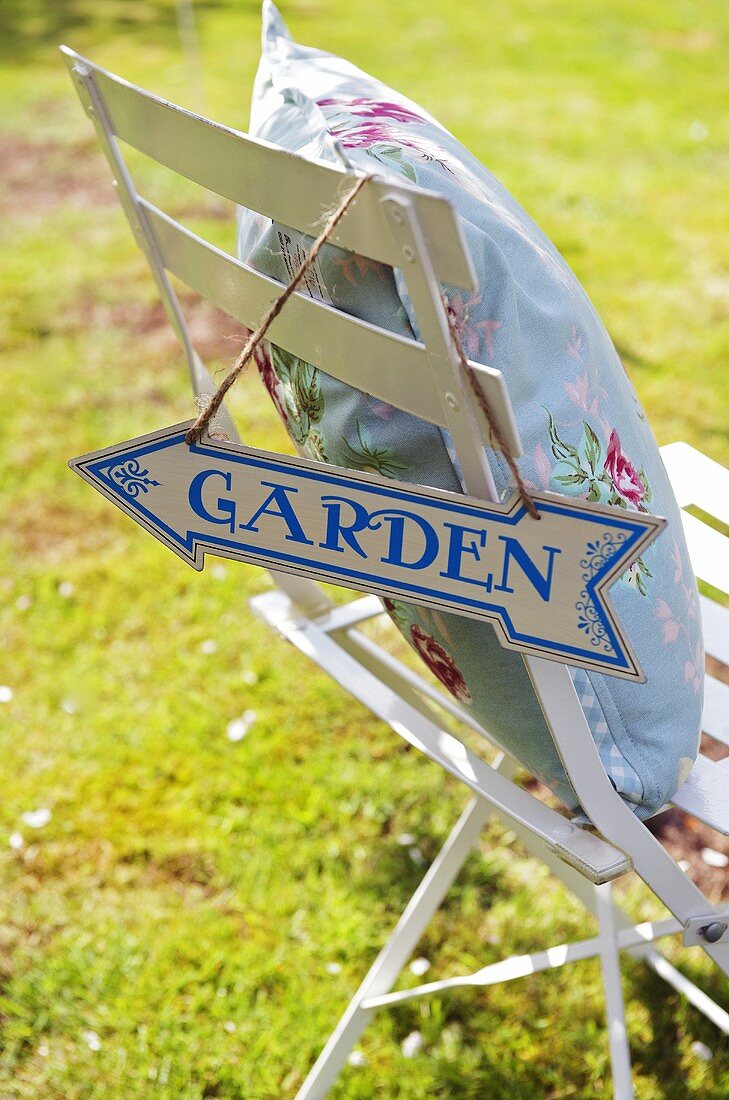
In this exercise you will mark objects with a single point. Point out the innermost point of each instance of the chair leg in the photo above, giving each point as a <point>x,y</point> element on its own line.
<point>387,966</point>
<point>683,985</point>
<point>578,885</point>
<point>598,899</point>
<point>610,962</point>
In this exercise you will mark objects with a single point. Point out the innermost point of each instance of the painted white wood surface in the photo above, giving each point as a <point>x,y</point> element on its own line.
<point>341,345</point>
<point>242,168</point>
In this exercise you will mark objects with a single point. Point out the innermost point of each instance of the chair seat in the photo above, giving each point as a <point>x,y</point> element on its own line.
<point>381,682</point>
<point>705,794</point>
<point>716,710</point>
<point>697,479</point>
<point>715,623</point>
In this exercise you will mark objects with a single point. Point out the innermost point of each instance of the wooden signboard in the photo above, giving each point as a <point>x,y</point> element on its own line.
<point>542,584</point>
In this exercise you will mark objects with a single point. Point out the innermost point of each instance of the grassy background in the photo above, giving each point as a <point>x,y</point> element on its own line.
<point>169,932</point>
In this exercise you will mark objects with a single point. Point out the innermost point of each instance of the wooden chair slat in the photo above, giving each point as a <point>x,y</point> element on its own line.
<point>716,710</point>
<point>705,794</point>
<point>708,550</point>
<point>697,479</point>
<point>715,624</point>
<point>241,168</point>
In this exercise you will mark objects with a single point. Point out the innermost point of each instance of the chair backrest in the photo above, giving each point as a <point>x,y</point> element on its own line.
<point>400,225</point>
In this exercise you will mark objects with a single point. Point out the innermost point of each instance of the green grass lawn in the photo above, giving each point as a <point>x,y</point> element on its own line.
<point>196,912</point>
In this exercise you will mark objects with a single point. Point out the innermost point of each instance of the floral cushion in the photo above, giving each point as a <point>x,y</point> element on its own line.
<point>583,429</point>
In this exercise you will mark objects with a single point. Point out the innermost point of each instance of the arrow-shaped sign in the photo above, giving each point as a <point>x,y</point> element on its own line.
<point>542,584</point>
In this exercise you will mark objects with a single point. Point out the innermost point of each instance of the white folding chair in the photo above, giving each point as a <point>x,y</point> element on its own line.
<point>418,232</point>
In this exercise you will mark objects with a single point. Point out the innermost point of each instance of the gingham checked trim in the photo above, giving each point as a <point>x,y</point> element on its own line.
<point>617,767</point>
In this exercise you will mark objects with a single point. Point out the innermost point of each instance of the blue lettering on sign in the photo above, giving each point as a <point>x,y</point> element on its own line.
<point>284,510</point>
<point>227,507</point>
<point>515,550</point>
<point>475,560</point>
<point>456,550</point>
<point>396,518</point>
<point>335,527</point>
<point>279,506</point>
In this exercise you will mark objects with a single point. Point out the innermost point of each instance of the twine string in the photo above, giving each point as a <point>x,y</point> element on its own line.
<point>497,435</point>
<point>216,400</point>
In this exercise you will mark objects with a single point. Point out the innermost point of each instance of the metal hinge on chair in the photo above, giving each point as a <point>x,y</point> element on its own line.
<point>712,928</point>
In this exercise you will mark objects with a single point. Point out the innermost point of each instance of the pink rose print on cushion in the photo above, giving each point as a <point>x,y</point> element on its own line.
<point>622,473</point>
<point>373,122</point>
<point>440,663</point>
<point>373,108</point>
<point>692,601</point>
<point>585,394</point>
<point>580,394</point>
<point>271,381</point>
<point>677,562</point>
<point>574,344</point>
<point>370,134</point>
<point>542,467</point>
<point>542,470</point>
<point>471,333</point>
<point>397,613</point>
<point>693,669</point>
<point>669,625</point>
<point>380,409</point>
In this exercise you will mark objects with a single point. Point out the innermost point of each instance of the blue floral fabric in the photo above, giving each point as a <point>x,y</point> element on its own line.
<point>582,426</point>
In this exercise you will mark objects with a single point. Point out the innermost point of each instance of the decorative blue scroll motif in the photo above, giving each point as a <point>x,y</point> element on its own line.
<point>598,553</point>
<point>131,478</point>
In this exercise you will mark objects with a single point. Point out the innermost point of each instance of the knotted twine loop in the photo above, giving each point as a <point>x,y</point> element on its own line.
<point>216,400</point>
<point>497,435</point>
